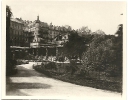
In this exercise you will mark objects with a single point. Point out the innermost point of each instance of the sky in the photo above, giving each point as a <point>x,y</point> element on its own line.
<point>103,15</point>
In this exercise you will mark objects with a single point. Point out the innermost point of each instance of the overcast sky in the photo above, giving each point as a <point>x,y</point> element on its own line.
<point>96,15</point>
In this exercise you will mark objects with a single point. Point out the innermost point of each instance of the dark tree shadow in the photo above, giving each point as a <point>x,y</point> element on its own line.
<point>29,85</point>
<point>24,72</point>
<point>13,89</point>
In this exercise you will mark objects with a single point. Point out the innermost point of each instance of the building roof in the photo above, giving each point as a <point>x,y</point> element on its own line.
<point>15,20</point>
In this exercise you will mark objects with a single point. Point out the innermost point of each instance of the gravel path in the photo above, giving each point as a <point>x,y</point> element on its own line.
<point>28,82</point>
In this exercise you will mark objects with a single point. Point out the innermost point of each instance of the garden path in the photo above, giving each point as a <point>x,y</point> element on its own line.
<point>28,82</point>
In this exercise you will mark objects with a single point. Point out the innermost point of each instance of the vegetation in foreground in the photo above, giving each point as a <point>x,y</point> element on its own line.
<point>100,56</point>
<point>93,79</point>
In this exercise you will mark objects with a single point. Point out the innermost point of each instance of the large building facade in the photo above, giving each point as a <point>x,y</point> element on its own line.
<point>37,38</point>
<point>16,33</point>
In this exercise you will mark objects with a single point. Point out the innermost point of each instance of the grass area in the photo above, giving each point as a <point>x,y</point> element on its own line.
<point>112,84</point>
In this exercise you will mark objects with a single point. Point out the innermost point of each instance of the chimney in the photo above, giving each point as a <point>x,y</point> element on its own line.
<point>38,17</point>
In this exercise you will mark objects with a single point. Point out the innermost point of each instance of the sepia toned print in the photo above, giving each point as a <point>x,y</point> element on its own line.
<point>64,49</point>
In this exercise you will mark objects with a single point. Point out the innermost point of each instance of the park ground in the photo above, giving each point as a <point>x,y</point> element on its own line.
<point>28,82</point>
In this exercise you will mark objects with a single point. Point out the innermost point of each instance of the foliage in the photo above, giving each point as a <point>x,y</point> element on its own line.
<point>19,62</point>
<point>83,31</point>
<point>32,57</point>
<point>101,60</point>
<point>50,65</point>
<point>29,57</point>
<point>76,45</point>
<point>104,54</point>
<point>10,62</point>
<point>8,16</point>
<point>98,54</point>
<point>118,47</point>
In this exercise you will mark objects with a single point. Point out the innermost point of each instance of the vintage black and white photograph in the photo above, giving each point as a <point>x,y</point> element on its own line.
<point>64,49</point>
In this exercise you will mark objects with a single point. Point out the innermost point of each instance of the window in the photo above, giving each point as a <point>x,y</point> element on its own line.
<point>10,31</point>
<point>26,40</point>
<point>14,32</point>
<point>12,25</point>
<point>18,33</point>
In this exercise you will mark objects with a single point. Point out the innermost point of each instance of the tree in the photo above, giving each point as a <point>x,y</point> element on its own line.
<point>8,53</point>
<point>118,48</point>
<point>105,53</point>
<point>75,47</point>
<point>83,31</point>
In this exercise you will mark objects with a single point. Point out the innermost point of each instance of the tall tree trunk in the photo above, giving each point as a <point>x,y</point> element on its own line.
<point>8,51</point>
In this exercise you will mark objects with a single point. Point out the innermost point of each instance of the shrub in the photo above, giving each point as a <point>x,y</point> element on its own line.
<point>67,68</point>
<point>12,67</point>
<point>19,62</point>
<point>50,65</point>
